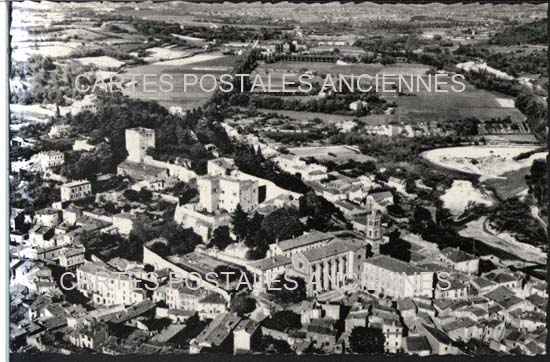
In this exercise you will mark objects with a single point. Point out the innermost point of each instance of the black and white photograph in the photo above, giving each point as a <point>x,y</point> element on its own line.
<point>277,178</point>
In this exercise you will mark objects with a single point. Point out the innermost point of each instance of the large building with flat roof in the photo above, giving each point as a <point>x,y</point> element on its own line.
<point>396,278</point>
<point>220,193</point>
<point>76,190</point>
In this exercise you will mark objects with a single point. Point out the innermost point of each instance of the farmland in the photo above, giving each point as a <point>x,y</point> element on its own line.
<point>310,115</point>
<point>193,96</point>
<point>418,106</point>
<point>52,49</point>
<point>104,62</point>
<point>338,154</point>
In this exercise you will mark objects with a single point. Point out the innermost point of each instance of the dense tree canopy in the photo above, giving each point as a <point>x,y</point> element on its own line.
<point>366,340</point>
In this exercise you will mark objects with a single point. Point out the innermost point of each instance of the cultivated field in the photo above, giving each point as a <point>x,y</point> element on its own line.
<point>53,49</point>
<point>103,61</point>
<point>158,54</point>
<point>188,97</point>
<point>446,106</point>
<point>338,154</point>
<point>330,118</point>
<point>323,68</point>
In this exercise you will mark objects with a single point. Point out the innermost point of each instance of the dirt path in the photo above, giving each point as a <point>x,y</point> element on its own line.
<point>535,212</point>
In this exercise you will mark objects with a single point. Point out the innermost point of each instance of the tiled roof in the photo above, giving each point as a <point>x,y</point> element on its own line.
<point>456,255</point>
<point>394,265</point>
<point>334,248</point>
<point>247,325</point>
<point>271,262</point>
<point>438,334</point>
<point>303,240</point>
<point>213,298</point>
<point>500,294</point>
<point>218,330</point>
<point>417,344</point>
<point>459,323</point>
<point>482,282</point>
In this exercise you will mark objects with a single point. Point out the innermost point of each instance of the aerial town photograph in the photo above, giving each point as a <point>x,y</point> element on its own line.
<point>278,178</point>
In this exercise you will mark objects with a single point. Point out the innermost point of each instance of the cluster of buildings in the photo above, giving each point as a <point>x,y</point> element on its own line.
<point>71,298</point>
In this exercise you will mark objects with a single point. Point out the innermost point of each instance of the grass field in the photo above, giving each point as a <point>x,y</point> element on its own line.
<point>330,118</point>
<point>101,61</point>
<point>422,105</point>
<point>338,154</point>
<point>158,54</point>
<point>50,49</point>
<point>186,98</point>
<point>434,106</point>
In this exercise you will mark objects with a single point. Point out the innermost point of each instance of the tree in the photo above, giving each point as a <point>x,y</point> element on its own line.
<point>242,305</point>
<point>320,211</point>
<point>131,195</point>
<point>422,219</point>
<point>537,181</point>
<point>239,220</point>
<point>282,224</point>
<point>144,195</point>
<point>255,234</point>
<point>160,249</point>
<point>180,240</point>
<point>288,289</point>
<point>269,344</point>
<point>410,185</point>
<point>396,247</point>
<point>20,223</point>
<point>366,340</point>
<point>259,245</point>
<point>387,59</point>
<point>220,238</point>
<point>283,321</point>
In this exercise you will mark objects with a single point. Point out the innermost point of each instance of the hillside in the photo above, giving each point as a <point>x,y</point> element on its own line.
<point>531,33</point>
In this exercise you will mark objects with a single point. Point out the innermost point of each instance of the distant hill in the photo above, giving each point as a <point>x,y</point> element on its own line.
<point>531,33</point>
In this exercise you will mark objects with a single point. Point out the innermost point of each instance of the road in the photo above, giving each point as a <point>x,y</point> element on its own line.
<point>477,229</point>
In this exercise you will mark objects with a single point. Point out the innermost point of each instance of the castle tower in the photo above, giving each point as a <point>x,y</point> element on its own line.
<point>138,140</point>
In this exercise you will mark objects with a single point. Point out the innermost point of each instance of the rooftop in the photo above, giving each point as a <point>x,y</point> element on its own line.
<point>381,195</point>
<point>456,255</point>
<point>48,211</point>
<point>76,183</point>
<point>394,265</point>
<point>306,239</point>
<point>502,277</point>
<point>218,330</point>
<point>482,282</point>
<point>247,325</point>
<point>417,344</point>
<point>271,262</point>
<point>125,215</point>
<point>328,250</point>
<point>213,298</point>
<point>168,333</point>
<point>223,162</point>
<point>500,294</point>
<point>140,167</point>
<point>459,323</point>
